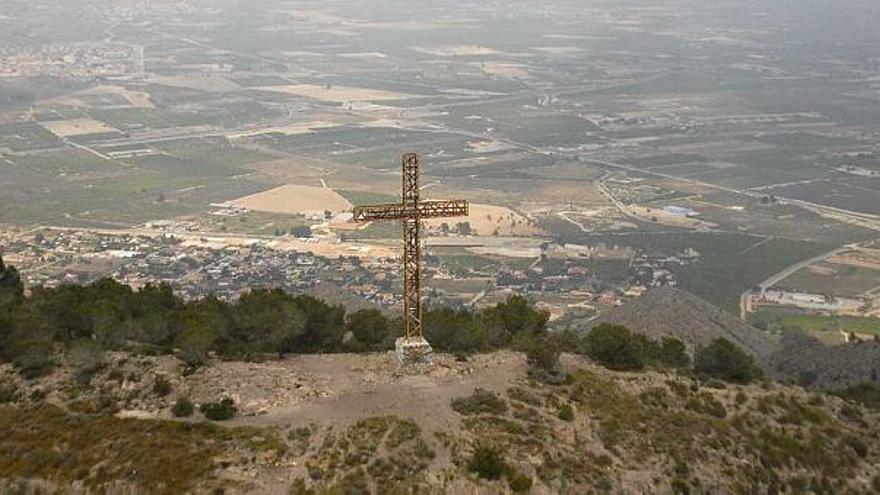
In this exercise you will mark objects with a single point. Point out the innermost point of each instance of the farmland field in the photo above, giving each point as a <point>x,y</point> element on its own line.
<point>294,199</point>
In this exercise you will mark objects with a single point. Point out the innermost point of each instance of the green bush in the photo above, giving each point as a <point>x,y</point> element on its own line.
<point>724,360</point>
<point>680,487</point>
<point>487,462</point>
<point>182,408</point>
<point>866,394</point>
<point>519,482</point>
<point>543,354</point>
<point>8,393</point>
<point>705,403</point>
<point>219,411</point>
<point>480,402</point>
<point>161,387</point>
<point>566,413</point>
<point>615,347</point>
<point>669,353</point>
<point>369,327</point>
<point>857,445</point>
<point>298,487</point>
<point>454,331</point>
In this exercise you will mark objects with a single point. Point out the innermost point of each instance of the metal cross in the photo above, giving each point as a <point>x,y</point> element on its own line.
<point>410,211</point>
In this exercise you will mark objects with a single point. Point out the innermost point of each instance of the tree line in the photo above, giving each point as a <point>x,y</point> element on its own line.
<point>108,315</point>
<point>262,321</point>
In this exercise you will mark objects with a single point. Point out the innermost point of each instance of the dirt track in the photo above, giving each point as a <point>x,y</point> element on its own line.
<point>349,387</point>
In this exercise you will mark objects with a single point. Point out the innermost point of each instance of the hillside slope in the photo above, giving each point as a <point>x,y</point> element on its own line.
<point>350,423</point>
<point>676,313</point>
<point>814,364</point>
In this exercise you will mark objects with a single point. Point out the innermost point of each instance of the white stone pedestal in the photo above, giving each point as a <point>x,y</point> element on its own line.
<point>414,354</point>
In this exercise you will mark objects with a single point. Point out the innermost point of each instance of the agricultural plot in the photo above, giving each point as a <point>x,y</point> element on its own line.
<point>826,278</point>
<point>777,319</point>
<point>335,94</point>
<point>294,199</point>
<point>199,82</point>
<point>252,223</point>
<point>750,215</point>
<point>78,127</point>
<point>729,263</point>
<point>851,274</point>
<point>199,157</point>
<point>492,220</point>
<point>67,162</point>
<point>24,136</point>
<point>835,193</point>
<point>104,96</point>
<point>133,119</point>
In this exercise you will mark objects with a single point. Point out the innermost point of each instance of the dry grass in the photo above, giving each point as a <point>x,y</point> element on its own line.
<point>48,443</point>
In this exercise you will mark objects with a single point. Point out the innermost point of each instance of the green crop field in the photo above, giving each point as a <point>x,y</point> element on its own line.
<point>24,136</point>
<point>777,319</point>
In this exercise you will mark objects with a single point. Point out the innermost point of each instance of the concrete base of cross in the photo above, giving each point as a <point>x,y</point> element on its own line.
<point>414,354</point>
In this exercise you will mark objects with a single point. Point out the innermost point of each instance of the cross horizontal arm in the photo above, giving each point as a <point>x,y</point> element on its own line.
<point>400,211</point>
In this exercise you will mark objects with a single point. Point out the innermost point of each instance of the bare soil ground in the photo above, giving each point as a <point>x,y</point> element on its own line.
<point>77,127</point>
<point>493,220</point>
<point>338,94</point>
<point>294,199</point>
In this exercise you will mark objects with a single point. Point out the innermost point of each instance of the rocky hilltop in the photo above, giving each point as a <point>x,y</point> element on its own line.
<point>347,423</point>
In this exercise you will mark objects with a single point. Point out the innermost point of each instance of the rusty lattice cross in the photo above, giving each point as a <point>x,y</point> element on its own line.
<point>410,211</point>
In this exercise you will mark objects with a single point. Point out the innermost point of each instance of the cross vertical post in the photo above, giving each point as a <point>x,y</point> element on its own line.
<point>412,247</point>
<point>410,211</point>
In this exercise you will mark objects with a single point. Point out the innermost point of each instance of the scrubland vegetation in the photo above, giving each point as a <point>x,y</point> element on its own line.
<point>645,405</point>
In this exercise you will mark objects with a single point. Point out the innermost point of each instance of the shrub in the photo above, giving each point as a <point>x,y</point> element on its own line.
<point>566,413</point>
<point>8,393</point>
<point>680,487</point>
<point>370,327</point>
<point>669,353</point>
<point>716,384</point>
<point>722,359</point>
<point>543,354</point>
<point>705,403</point>
<point>487,462</point>
<point>298,487</point>
<point>87,356</point>
<point>454,331</point>
<point>857,445</point>
<point>116,375</point>
<point>519,482</point>
<point>480,402</point>
<point>866,394</point>
<point>161,387</point>
<point>182,408</point>
<point>219,411</point>
<point>615,347</point>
